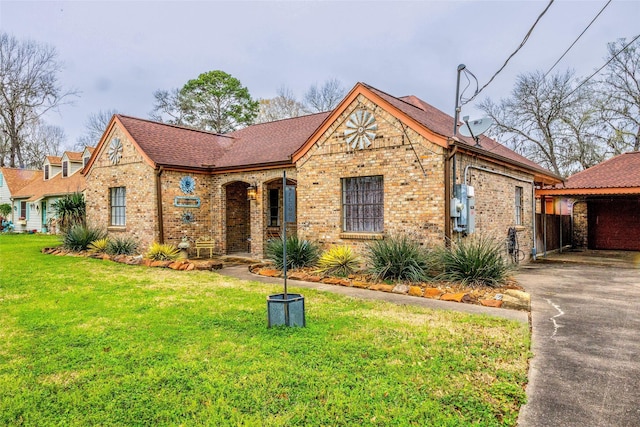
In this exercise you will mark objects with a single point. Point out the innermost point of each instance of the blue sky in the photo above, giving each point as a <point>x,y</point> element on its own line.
<point>117,53</point>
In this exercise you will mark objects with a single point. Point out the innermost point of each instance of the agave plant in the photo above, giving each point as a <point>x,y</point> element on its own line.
<point>98,246</point>
<point>162,252</point>
<point>300,253</point>
<point>475,260</point>
<point>338,260</point>
<point>398,258</point>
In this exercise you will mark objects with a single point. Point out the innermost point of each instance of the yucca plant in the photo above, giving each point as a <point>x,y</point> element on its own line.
<point>78,237</point>
<point>122,246</point>
<point>398,258</point>
<point>162,252</point>
<point>338,260</point>
<point>300,253</point>
<point>475,261</point>
<point>70,210</point>
<point>98,246</point>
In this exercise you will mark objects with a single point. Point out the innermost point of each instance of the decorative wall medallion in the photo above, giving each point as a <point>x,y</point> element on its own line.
<point>187,184</point>
<point>115,151</point>
<point>361,129</point>
<point>188,217</point>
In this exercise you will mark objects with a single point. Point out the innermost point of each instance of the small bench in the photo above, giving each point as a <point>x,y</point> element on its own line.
<point>205,244</point>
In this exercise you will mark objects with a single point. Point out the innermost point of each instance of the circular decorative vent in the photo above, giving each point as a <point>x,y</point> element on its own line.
<point>361,128</point>
<point>188,217</point>
<point>115,151</point>
<point>187,184</point>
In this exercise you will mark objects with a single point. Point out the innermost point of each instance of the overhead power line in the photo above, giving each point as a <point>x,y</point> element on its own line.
<point>604,65</point>
<point>576,40</point>
<point>524,40</point>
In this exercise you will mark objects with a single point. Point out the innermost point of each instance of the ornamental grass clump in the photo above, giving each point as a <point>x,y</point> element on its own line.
<point>122,246</point>
<point>300,253</point>
<point>79,237</point>
<point>163,252</point>
<point>475,261</point>
<point>338,261</point>
<point>398,258</point>
<point>98,246</point>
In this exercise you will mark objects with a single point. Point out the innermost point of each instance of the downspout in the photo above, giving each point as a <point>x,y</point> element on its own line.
<point>159,205</point>
<point>447,192</point>
<point>533,197</point>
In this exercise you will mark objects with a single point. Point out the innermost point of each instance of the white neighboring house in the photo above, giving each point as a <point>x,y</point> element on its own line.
<point>60,176</point>
<point>13,180</point>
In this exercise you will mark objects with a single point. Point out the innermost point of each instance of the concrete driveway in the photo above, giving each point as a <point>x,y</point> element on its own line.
<point>586,345</point>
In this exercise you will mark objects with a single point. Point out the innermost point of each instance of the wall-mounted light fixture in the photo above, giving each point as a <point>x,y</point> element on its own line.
<point>252,192</point>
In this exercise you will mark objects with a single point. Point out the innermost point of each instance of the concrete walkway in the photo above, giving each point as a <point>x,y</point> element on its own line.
<point>586,342</point>
<point>242,272</point>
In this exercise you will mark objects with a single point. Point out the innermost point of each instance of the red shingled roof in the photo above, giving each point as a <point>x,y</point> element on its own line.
<point>175,145</point>
<point>270,142</point>
<point>622,171</point>
<point>442,124</point>
<point>275,142</point>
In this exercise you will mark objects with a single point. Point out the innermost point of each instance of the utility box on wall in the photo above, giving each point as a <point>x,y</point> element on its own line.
<point>463,209</point>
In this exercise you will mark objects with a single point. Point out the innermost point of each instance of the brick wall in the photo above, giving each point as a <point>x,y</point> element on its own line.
<point>495,201</point>
<point>413,197</point>
<point>133,173</point>
<point>580,224</point>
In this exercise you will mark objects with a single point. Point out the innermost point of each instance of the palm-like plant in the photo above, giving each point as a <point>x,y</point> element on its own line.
<point>70,210</point>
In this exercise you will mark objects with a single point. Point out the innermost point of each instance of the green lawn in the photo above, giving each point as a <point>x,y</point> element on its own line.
<point>91,342</point>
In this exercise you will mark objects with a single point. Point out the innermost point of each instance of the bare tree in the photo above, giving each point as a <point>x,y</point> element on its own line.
<point>42,140</point>
<point>28,89</point>
<point>94,127</point>
<point>549,121</point>
<point>620,96</point>
<point>283,106</point>
<point>325,97</point>
<point>168,107</point>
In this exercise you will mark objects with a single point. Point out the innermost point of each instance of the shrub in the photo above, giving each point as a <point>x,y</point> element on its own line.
<point>78,237</point>
<point>163,252</point>
<point>398,258</point>
<point>475,260</point>
<point>338,260</point>
<point>5,210</point>
<point>98,246</point>
<point>300,253</point>
<point>122,246</point>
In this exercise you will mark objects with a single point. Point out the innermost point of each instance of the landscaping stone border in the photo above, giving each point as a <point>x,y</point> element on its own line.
<point>510,296</point>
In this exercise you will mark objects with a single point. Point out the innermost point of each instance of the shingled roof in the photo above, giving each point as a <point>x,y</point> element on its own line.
<point>442,124</point>
<point>274,143</point>
<point>171,145</point>
<point>16,179</point>
<point>55,186</point>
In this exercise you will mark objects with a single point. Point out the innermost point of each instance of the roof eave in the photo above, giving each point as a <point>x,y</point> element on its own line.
<point>611,191</point>
<point>539,174</point>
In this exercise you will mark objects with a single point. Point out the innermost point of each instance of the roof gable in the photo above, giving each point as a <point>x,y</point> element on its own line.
<point>433,124</point>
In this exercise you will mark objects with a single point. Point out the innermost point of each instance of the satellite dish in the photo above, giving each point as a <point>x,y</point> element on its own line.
<point>475,128</point>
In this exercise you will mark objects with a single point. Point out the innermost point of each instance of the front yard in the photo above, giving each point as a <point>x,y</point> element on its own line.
<point>92,342</point>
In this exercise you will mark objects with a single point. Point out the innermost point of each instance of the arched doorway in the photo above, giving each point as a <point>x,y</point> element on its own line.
<point>238,218</point>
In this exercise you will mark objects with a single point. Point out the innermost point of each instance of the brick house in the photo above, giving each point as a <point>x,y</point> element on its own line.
<point>603,202</point>
<point>376,165</point>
